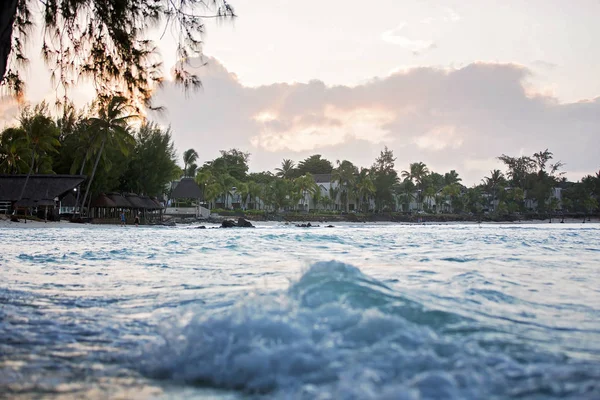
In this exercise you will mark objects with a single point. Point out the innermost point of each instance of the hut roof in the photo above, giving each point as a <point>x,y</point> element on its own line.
<point>159,202</point>
<point>135,201</point>
<point>25,203</point>
<point>45,203</point>
<point>187,188</point>
<point>148,203</point>
<point>120,201</point>
<point>38,186</point>
<point>103,201</point>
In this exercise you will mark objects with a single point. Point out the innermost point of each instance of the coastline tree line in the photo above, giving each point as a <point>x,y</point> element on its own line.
<point>119,151</point>
<point>530,184</point>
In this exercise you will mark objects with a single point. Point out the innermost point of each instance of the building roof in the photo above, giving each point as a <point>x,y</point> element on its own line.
<point>135,201</point>
<point>187,188</point>
<point>45,203</point>
<point>25,203</point>
<point>148,203</point>
<point>158,202</point>
<point>120,201</point>
<point>322,178</point>
<point>103,201</point>
<point>38,186</point>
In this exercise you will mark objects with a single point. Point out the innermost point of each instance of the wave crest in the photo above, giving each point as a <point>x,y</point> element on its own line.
<point>335,333</point>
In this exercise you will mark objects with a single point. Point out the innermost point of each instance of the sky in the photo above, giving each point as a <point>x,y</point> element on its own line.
<point>451,83</point>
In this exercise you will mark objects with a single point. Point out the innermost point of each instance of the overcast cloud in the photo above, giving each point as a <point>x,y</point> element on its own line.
<point>448,118</point>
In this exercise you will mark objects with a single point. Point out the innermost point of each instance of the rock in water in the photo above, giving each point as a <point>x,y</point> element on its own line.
<point>228,224</point>
<point>244,223</point>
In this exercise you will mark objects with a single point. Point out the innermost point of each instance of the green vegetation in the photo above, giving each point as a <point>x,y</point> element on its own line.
<point>118,151</point>
<point>531,185</point>
<point>100,143</point>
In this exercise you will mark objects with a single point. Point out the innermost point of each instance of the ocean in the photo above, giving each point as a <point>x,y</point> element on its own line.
<point>357,311</point>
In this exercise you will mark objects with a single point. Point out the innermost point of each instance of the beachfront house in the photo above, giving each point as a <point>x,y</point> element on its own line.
<point>331,197</point>
<point>38,194</point>
<point>186,199</point>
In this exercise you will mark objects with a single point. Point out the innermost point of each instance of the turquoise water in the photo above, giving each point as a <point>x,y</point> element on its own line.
<point>351,312</point>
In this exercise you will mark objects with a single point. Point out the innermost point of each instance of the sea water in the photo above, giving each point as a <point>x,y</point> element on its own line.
<point>363,311</point>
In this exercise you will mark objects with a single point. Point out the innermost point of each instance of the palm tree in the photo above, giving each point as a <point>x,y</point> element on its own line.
<point>440,202</point>
<point>189,157</point>
<point>317,198</point>
<point>226,184</point>
<point>87,138</point>
<point>243,190</point>
<point>333,194</point>
<point>191,170</point>
<point>286,170</point>
<point>42,137</point>
<point>407,193</point>
<point>344,175</point>
<point>451,177</point>
<point>111,127</point>
<point>417,173</point>
<point>452,192</point>
<point>13,145</point>
<point>203,178</point>
<point>429,194</point>
<point>211,191</point>
<point>365,188</point>
<point>492,182</point>
<point>306,185</point>
<point>254,191</point>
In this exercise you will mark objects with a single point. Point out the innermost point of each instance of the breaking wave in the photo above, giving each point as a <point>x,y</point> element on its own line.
<point>336,333</point>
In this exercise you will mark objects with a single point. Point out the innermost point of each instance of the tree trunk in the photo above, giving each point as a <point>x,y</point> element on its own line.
<point>8,12</point>
<point>87,190</point>
<point>28,174</point>
<point>80,173</point>
<point>87,153</point>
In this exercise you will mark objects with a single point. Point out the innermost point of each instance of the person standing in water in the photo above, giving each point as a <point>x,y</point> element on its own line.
<point>123,218</point>
<point>137,220</point>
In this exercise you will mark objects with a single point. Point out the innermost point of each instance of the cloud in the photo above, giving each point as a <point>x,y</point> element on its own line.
<point>449,118</point>
<point>398,37</point>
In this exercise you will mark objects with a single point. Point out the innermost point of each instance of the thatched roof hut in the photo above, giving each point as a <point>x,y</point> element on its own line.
<point>120,201</point>
<point>38,186</point>
<point>187,188</point>
<point>25,203</point>
<point>46,203</point>
<point>148,203</point>
<point>159,203</point>
<point>135,201</point>
<point>103,201</point>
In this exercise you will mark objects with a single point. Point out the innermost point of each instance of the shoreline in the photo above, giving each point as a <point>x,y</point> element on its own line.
<point>6,223</point>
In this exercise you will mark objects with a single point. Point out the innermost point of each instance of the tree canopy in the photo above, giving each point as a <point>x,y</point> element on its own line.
<point>314,165</point>
<point>126,158</point>
<point>106,41</point>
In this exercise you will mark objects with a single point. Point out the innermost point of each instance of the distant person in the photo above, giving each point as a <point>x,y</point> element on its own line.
<point>123,218</point>
<point>136,220</point>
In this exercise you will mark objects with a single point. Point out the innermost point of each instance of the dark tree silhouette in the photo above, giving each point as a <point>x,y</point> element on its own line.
<point>106,41</point>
